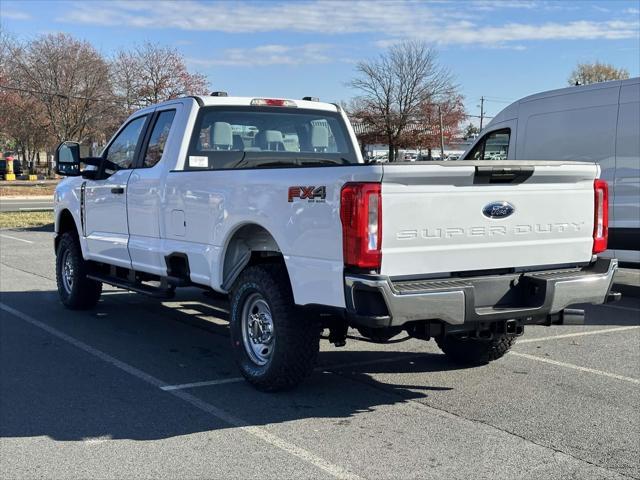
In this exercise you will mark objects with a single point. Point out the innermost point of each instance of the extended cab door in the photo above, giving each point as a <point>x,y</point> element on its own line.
<point>145,190</point>
<point>105,201</point>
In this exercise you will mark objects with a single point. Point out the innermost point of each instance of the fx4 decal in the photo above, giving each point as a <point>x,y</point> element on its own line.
<point>313,194</point>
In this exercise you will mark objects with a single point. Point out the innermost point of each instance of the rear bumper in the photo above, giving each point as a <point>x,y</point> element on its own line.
<point>377,301</point>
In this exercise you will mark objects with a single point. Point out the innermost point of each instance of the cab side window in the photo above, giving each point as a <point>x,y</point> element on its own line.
<point>158,138</point>
<point>493,146</point>
<point>122,150</point>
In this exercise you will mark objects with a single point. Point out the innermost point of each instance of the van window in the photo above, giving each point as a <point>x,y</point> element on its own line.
<point>250,137</point>
<point>493,146</point>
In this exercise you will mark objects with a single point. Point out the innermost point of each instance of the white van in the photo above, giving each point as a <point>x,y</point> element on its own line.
<point>592,123</point>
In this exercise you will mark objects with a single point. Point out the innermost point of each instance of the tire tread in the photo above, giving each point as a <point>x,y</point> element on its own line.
<point>298,339</point>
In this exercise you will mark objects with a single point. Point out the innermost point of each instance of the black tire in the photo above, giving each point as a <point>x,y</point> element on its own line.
<point>295,338</point>
<point>379,335</point>
<point>81,293</point>
<point>473,351</point>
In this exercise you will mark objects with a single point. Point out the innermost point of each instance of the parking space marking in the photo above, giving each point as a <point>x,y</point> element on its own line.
<point>576,367</point>
<point>258,432</point>
<point>15,238</point>
<point>205,383</point>
<point>577,334</point>
<point>323,368</point>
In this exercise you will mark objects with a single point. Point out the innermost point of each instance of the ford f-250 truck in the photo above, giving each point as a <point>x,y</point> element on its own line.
<point>270,202</point>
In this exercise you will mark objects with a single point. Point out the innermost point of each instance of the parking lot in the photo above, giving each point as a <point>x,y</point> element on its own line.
<point>143,389</point>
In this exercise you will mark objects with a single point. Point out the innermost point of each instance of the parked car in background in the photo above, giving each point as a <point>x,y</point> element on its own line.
<point>592,123</point>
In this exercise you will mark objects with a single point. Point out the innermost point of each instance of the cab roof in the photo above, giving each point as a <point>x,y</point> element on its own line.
<point>209,100</point>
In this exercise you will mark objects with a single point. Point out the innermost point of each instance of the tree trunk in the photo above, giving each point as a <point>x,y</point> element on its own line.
<point>392,152</point>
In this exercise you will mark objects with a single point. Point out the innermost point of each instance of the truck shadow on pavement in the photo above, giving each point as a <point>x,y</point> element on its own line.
<point>55,389</point>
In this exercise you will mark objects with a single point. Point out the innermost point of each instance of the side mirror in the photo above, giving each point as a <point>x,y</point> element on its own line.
<point>68,159</point>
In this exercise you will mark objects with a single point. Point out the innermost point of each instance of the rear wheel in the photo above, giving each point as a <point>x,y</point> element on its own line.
<point>475,351</point>
<point>76,291</point>
<point>274,346</point>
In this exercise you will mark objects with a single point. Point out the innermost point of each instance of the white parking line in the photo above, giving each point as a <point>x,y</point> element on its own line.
<point>34,209</point>
<point>576,367</point>
<point>577,334</point>
<point>206,383</point>
<point>15,238</point>
<point>258,432</point>
<point>324,368</point>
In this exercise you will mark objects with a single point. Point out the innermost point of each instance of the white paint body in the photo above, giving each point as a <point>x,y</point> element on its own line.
<point>593,123</point>
<point>166,209</point>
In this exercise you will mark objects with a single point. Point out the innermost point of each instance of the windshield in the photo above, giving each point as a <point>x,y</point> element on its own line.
<point>251,137</point>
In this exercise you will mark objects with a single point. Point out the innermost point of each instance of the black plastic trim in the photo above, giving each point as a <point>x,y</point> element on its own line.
<point>197,99</point>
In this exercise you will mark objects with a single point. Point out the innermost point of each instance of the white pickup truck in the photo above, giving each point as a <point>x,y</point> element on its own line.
<point>270,202</point>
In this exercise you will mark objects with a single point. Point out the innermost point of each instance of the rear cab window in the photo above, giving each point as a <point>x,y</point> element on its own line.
<point>268,137</point>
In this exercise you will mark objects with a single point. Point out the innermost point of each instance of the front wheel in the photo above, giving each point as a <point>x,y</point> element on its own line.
<point>274,346</point>
<point>475,351</point>
<point>76,291</point>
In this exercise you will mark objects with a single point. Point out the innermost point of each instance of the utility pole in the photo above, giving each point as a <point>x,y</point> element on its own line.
<point>481,111</point>
<point>441,134</point>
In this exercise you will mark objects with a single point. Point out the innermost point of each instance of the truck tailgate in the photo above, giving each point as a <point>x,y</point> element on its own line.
<point>466,216</point>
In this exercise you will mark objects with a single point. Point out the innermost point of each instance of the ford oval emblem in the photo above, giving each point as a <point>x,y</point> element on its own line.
<point>498,210</point>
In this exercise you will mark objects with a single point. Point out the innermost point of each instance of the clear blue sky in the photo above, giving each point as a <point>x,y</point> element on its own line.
<point>503,50</point>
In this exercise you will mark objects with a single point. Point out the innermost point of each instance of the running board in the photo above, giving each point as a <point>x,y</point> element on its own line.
<point>156,292</point>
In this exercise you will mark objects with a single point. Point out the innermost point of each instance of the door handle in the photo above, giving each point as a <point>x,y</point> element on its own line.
<point>117,190</point>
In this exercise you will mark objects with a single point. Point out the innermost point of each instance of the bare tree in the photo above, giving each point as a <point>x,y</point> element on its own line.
<point>438,122</point>
<point>395,87</point>
<point>22,119</point>
<point>61,88</point>
<point>150,74</point>
<point>471,131</point>
<point>586,73</point>
<point>68,79</point>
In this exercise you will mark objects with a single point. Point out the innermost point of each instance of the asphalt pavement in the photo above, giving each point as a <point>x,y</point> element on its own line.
<point>139,388</point>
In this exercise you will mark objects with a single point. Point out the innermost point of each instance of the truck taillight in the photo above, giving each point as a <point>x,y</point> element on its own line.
<point>361,216</point>
<point>601,216</point>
